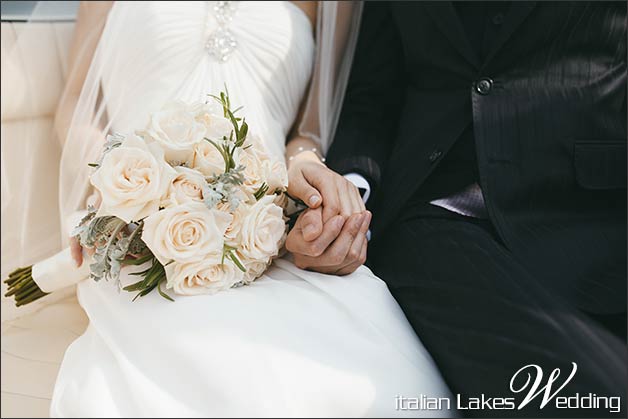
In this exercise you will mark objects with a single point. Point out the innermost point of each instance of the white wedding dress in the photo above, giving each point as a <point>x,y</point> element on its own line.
<point>294,343</point>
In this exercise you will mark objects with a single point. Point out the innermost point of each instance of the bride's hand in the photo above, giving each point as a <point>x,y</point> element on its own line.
<point>76,250</point>
<point>316,185</point>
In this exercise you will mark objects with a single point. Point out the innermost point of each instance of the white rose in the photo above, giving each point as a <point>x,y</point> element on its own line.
<point>186,233</point>
<point>207,159</point>
<point>261,168</point>
<point>232,234</point>
<point>262,230</point>
<point>254,269</point>
<point>277,176</point>
<point>186,186</point>
<point>132,179</point>
<point>216,125</point>
<point>256,169</point>
<point>205,277</point>
<point>176,130</point>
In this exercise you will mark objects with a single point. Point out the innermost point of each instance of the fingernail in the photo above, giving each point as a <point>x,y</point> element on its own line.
<point>309,229</point>
<point>339,221</point>
<point>314,199</point>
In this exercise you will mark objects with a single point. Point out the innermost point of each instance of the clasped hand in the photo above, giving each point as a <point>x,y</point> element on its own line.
<point>330,235</point>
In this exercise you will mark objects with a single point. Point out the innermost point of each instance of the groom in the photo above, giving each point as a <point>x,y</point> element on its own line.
<point>493,138</point>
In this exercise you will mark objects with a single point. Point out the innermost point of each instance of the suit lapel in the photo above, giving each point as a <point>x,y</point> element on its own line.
<point>519,10</point>
<point>444,14</point>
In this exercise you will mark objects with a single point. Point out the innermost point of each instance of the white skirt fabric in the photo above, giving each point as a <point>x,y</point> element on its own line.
<point>294,343</point>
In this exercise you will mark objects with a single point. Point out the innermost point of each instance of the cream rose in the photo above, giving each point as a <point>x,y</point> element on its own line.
<point>216,125</point>
<point>186,233</point>
<point>261,168</point>
<point>132,179</point>
<point>176,130</point>
<point>207,159</point>
<point>186,186</point>
<point>255,269</point>
<point>232,234</point>
<point>277,176</point>
<point>205,277</point>
<point>262,230</point>
<point>255,171</point>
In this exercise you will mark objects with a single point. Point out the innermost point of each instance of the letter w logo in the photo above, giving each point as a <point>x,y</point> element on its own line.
<point>535,388</point>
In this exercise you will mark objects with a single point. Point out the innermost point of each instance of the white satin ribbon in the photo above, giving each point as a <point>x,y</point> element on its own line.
<point>59,271</point>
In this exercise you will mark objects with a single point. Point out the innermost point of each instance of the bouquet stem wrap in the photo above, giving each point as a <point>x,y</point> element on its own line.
<point>59,271</point>
<point>28,284</point>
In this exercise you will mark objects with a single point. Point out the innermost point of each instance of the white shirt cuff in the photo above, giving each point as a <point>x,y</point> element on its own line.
<point>360,183</point>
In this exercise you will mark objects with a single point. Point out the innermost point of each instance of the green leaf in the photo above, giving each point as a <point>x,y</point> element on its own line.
<point>138,261</point>
<point>234,122</point>
<point>134,287</point>
<point>162,293</point>
<point>242,134</point>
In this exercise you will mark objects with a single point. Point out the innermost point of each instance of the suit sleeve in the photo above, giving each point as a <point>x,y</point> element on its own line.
<point>369,117</point>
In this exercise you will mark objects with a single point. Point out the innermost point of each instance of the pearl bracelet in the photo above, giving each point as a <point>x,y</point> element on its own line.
<point>301,149</point>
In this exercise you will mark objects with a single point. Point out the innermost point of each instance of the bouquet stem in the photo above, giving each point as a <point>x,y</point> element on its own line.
<point>22,287</point>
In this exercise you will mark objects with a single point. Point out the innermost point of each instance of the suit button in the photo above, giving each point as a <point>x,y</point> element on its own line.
<point>484,86</point>
<point>498,19</point>
<point>435,155</point>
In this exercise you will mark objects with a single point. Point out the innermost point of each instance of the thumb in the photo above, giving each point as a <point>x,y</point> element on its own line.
<point>76,251</point>
<point>311,224</point>
<point>299,187</point>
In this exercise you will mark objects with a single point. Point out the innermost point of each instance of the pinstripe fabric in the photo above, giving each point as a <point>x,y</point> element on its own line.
<point>483,315</point>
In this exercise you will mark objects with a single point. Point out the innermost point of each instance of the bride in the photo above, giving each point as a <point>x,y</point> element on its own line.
<point>294,343</point>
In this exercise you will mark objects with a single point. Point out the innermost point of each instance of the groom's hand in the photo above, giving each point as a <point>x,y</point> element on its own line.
<point>340,248</point>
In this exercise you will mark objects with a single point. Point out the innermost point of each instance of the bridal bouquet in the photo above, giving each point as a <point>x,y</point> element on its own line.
<point>194,198</point>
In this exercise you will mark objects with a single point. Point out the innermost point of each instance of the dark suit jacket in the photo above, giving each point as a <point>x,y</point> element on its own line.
<point>548,110</point>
